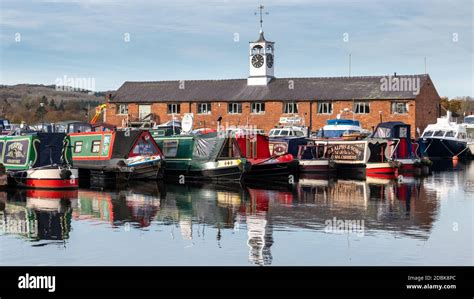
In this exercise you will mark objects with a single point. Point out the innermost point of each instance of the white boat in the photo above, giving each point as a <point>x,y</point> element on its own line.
<point>341,129</point>
<point>288,131</point>
<point>444,139</point>
<point>469,123</point>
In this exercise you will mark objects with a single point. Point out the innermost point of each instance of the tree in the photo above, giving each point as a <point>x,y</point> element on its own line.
<point>61,106</point>
<point>52,105</point>
<point>451,105</point>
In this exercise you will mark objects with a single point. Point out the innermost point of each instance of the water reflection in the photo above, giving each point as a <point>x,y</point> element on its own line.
<point>407,208</point>
<point>37,214</point>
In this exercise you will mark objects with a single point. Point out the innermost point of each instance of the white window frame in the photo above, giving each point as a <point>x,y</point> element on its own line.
<point>207,110</point>
<point>326,104</point>
<point>232,107</point>
<point>259,105</point>
<point>175,108</point>
<point>395,106</point>
<point>78,146</point>
<point>95,145</point>
<point>364,105</point>
<point>290,108</point>
<point>122,109</point>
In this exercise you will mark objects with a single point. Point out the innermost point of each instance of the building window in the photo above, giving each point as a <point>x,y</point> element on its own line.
<point>174,108</point>
<point>361,107</point>
<point>324,108</point>
<point>122,109</point>
<point>170,148</point>
<point>290,108</point>
<point>399,108</point>
<point>77,146</point>
<point>235,108</point>
<point>257,108</point>
<point>204,108</point>
<point>95,146</point>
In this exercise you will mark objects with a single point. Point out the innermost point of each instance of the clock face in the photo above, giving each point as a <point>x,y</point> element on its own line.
<point>269,60</point>
<point>257,60</point>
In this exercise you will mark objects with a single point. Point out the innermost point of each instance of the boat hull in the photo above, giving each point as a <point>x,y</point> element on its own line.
<point>316,166</point>
<point>436,148</point>
<point>381,170</point>
<point>195,170</point>
<point>45,178</point>
<point>272,170</point>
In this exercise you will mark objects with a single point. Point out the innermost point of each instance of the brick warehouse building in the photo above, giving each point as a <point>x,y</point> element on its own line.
<point>264,101</point>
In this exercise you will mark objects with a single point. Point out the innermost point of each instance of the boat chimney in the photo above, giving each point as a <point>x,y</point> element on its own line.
<point>448,115</point>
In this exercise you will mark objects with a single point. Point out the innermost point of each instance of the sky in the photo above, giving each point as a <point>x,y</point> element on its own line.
<point>110,42</point>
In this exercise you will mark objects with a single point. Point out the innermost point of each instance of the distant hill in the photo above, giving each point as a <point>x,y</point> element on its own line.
<point>21,102</point>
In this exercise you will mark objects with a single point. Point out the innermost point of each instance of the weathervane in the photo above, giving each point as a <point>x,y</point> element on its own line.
<point>261,7</point>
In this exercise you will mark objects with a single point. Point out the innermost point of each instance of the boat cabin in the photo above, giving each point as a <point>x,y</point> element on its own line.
<point>399,132</point>
<point>22,152</point>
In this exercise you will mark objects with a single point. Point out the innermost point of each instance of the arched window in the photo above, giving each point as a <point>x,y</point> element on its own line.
<point>257,50</point>
<point>269,49</point>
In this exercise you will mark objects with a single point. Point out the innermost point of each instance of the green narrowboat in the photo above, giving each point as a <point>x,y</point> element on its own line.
<point>202,157</point>
<point>38,160</point>
<point>116,155</point>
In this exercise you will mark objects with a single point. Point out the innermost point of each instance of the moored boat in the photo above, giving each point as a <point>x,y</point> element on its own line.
<point>444,139</point>
<point>403,150</point>
<point>263,165</point>
<point>360,158</point>
<point>346,129</point>
<point>469,124</point>
<point>116,156</point>
<point>38,160</point>
<point>213,156</point>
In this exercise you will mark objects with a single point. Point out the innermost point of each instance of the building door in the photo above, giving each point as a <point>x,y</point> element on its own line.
<point>143,110</point>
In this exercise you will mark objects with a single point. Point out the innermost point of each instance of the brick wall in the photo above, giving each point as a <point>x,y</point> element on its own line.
<point>427,106</point>
<point>424,108</point>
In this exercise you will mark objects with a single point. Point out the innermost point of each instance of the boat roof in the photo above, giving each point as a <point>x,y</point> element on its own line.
<point>343,122</point>
<point>392,124</point>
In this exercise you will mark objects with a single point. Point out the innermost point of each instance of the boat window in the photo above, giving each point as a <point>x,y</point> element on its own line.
<point>299,133</point>
<point>462,135</point>
<point>284,133</point>
<point>450,134</point>
<point>144,147</point>
<point>439,133</point>
<point>95,146</point>
<point>403,132</point>
<point>428,134</point>
<point>275,133</point>
<point>230,149</point>
<point>170,148</point>
<point>77,146</point>
<point>383,133</point>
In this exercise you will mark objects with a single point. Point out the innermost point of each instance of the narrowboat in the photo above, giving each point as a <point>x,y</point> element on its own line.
<point>255,148</point>
<point>402,148</point>
<point>286,145</point>
<point>38,160</point>
<point>116,155</point>
<point>212,156</point>
<point>360,158</point>
<point>444,139</point>
<point>311,159</point>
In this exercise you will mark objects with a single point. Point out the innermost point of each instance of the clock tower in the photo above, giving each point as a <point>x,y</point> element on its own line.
<point>261,56</point>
